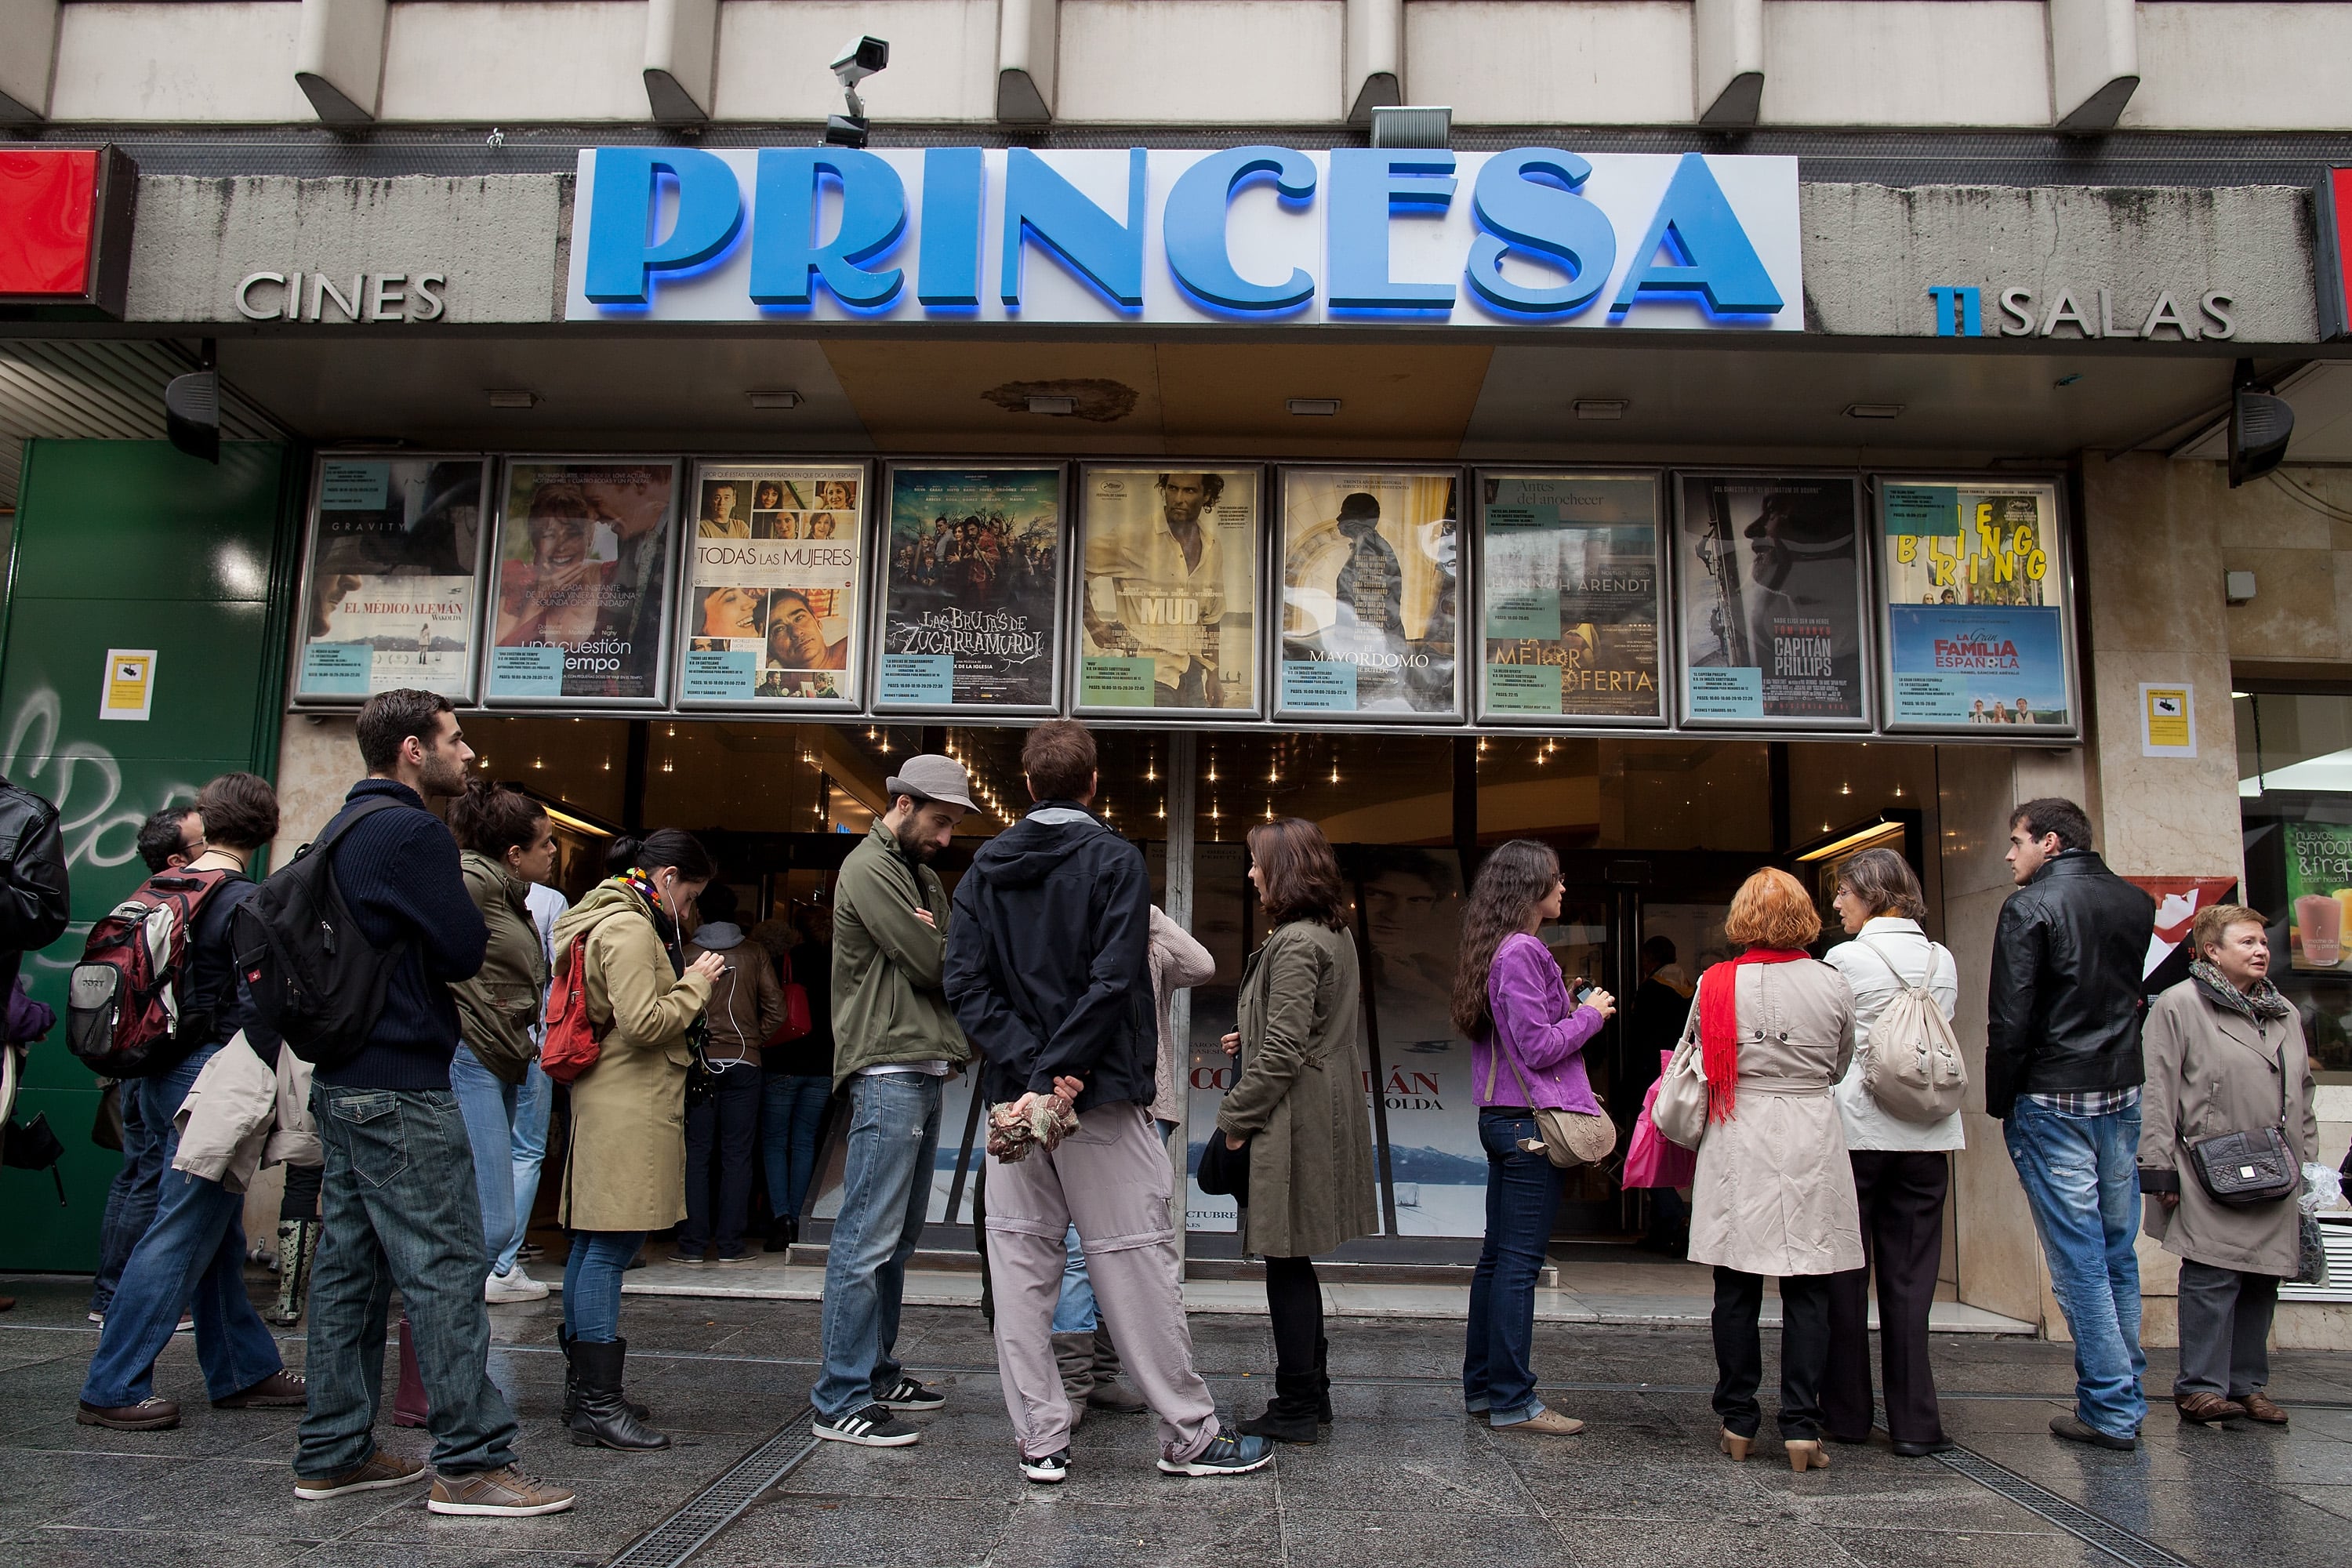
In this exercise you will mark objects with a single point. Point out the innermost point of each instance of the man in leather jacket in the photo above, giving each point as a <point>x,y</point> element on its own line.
<point>34,898</point>
<point>2063,1073</point>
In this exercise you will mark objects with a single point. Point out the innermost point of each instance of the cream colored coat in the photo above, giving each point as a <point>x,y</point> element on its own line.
<point>627,1169</point>
<point>1774,1192</point>
<point>2210,1071</point>
<point>1177,961</point>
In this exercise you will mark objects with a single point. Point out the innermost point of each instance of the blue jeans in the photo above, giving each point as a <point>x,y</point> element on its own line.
<point>2081,1181</point>
<point>528,1138</point>
<point>1522,1200</point>
<point>486,1103</point>
<point>894,1141</point>
<point>399,1210</point>
<point>192,1258</point>
<point>131,1198</point>
<point>791,1120</point>
<point>1074,1311</point>
<point>592,1282</point>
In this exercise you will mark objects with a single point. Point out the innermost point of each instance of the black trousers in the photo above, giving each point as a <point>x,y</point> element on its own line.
<point>1902,1198</point>
<point>1739,1352</point>
<point>722,1135</point>
<point>1294,1300</point>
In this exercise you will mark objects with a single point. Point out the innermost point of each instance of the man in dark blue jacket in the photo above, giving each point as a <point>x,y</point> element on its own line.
<point>399,1204</point>
<point>1048,969</point>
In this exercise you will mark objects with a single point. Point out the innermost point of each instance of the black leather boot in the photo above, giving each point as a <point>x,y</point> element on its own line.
<point>1291,1417</point>
<point>572,1382</point>
<point>602,1416</point>
<point>1323,1380</point>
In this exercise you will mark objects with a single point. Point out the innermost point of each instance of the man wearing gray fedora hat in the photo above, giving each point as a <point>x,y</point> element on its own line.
<point>895,1041</point>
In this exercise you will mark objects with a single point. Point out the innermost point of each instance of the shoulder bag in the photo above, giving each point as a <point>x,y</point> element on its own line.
<point>2254,1165</point>
<point>1570,1138</point>
<point>1911,1066</point>
<point>1679,1110</point>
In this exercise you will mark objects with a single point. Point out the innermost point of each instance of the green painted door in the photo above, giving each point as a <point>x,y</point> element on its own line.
<point>128,545</point>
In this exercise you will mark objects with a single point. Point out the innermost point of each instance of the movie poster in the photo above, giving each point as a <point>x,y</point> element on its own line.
<point>1568,574</point>
<point>1168,602</point>
<point>2319,894</point>
<point>774,587</point>
<point>972,601</point>
<point>1769,569</point>
<point>1370,592</point>
<point>396,550</point>
<point>583,564</point>
<point>1976,614</point>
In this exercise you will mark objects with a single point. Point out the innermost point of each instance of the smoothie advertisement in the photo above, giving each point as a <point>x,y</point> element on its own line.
<point>773,592</point>
<point>1974,605</point>
<point>2319,893</point>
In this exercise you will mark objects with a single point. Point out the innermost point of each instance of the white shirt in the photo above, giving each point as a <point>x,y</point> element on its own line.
<point>547,906</point>
<point>1867,975</point>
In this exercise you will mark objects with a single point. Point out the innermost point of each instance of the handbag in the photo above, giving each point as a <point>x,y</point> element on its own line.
<point>2253,1165</point>
<point>1680,1109</point>
<point>1224,1172</point>
<point>1570,1138</point>
<point>798,1021</point>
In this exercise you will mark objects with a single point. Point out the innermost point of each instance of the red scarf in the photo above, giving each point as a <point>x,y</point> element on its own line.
<point>1718,1024</point>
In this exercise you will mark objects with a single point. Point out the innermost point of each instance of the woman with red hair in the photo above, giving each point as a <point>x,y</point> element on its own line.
<point>1774,1193</point>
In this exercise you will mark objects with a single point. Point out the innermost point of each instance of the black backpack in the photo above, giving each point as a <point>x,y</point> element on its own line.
<point>314,978</point>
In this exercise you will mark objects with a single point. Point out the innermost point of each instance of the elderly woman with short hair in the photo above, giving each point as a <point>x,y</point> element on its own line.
<point>1774,1194</point>
<point>2225,1054</point>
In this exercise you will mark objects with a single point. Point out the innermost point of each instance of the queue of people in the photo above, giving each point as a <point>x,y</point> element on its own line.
<point>1049,975</point>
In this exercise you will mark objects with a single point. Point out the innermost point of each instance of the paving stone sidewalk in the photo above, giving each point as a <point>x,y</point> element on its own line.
<point>1403,1477</point>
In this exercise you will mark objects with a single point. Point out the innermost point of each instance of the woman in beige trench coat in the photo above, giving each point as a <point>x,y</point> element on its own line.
<point>1774,1191</point>
<point>1299,1101</point>
<point>626,1172</point>
<point>2225,1054</point>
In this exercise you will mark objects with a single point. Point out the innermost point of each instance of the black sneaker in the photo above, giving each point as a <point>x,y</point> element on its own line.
<point>685,1260</point>
<point>872,1427</point>
<point>1049,1470</point>
<point>909,1394</point>
<point>1226,1455</point>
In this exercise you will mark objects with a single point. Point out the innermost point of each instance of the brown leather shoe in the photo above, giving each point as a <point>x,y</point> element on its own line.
<point>281,1390</point>
<point>380,1470</point>
<point>2206,1408</point>
<point>152,1413</point>
<point>2260,1408</point>
<point>505,1494</point>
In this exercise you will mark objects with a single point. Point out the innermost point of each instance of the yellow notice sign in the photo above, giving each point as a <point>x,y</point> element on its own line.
<point>2167,720</point>
<point>128,690</point>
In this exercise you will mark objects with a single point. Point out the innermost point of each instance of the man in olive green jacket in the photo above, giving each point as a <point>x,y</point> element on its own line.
<point>895,1041</point>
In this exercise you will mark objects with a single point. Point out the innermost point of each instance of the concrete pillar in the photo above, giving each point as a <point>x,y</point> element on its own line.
<point>1727,60</point>
<point>1374,60</point>
<point>681,59</point>
<point>28,53</point>
<point>2094,61</point>
<point>1028,49</point>
<point>338,58</point>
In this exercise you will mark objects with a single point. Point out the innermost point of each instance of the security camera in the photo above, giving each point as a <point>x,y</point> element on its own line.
<point>857,59</point>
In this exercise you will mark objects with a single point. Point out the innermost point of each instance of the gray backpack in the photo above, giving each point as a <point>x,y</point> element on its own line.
<point>1911,1066</point>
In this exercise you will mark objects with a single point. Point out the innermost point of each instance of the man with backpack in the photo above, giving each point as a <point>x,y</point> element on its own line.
<point>400,1207</point>
<point>192,1254</point>
<point>34,902</point>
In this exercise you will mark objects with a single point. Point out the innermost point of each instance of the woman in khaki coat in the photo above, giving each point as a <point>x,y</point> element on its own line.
<point>1298,1101</point>
<point>1774,1191</point>
<point>627,1172</point>
<point>2225,1054</point>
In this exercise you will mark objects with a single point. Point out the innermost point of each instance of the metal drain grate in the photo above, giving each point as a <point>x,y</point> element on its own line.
<point>702,1516</point>
<point>2074,1518</point>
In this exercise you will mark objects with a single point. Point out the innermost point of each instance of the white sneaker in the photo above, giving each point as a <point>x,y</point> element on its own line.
<point>513,1286</point>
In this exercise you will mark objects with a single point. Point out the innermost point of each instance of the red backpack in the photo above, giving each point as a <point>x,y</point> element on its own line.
<point>573,1042</point>
<point>123,1017</point>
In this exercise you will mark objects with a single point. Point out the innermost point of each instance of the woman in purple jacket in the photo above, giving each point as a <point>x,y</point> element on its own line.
<point>1526,1043</point>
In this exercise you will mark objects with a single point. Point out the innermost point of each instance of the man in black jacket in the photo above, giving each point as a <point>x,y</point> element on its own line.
<point>1048,969</point>
<point>35,902</point>
<point>399,1204</point>
<point>2063,1073</point>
